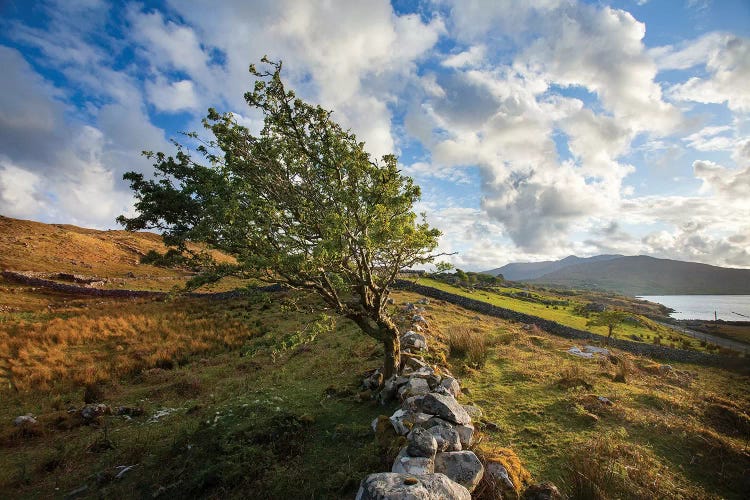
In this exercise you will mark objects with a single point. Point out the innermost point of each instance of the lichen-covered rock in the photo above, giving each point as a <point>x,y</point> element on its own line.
<point>391,486</point>
<point>446,437</point>
<point>412,361</point>
<point>445,407</point>
<point>404,420</point>
<point>442,390</point>
<point>474,411</point>
<point>413,403</point>
<point>451,385</point>
<point>406,464</point>
<point>424,372</point>
<point>542,491</point>
<point>434,380</point>
<point>421,443</point>
<point>462,467</point>
<point>499,475</point>
<point>414,341</point>
<point>414,387</point>
<point>465,434</point>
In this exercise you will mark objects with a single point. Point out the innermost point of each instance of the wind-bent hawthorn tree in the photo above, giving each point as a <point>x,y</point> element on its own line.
<point>301,203</point>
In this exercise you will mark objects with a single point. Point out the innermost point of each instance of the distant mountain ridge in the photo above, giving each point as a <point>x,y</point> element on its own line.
<point>522,271</point>
<point>636,275</point>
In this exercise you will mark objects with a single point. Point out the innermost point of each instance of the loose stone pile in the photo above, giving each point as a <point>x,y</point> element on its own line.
<point>435,462</point>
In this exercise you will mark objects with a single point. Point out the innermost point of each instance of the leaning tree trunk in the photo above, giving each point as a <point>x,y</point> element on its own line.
<point>392,361</point>
<point>392,346</point>
<point>385,330</point>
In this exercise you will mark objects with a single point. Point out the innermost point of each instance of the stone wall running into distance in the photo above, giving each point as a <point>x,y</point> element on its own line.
<point>32,280</point>
<point>640,348</point>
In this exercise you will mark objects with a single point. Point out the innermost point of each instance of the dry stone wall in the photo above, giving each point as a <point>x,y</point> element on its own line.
<point>33,280</point>
<point>434,461</point>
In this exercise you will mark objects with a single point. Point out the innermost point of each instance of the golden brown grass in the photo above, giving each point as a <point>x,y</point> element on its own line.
<point>607,467</point>
<point>102,340</point>
<point>491,488</point>
<point>468,344</point>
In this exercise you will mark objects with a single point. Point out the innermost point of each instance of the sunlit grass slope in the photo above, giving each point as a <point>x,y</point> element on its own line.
<point>61,248</point>
<point>645,331</point>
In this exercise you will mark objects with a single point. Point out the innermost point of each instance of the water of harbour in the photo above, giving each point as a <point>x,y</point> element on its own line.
<point>726,307</point>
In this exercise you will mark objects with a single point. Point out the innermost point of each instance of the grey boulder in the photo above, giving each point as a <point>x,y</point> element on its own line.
<point>446,437</point>
<point>414,340</point>
<point>406,464</point>
<point>414,387</point>
<point>392,486</point>
<point>499,474</point>
<point>451,385</point>
<point>466,434</point>
<point>404,420</point>
<point>421,443</point>
<point>445,407</point>
<point>462,467</point>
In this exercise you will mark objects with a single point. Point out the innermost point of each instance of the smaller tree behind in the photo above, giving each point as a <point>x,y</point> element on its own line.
<point>611,319</point>
<point>301,203</point>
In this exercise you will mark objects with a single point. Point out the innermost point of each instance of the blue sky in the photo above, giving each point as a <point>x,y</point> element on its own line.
<point>536,129</point>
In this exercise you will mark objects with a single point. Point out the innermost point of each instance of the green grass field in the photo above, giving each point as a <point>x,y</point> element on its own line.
<point>565,315</point>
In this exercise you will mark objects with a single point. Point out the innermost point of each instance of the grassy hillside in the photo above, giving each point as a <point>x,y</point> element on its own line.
<point>259,396</point>
<point>60,248</point>
<point>643,275</point>
<point>214,379</point>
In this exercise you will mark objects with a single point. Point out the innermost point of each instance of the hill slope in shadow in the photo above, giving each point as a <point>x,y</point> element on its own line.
<point>643,275</point>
